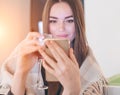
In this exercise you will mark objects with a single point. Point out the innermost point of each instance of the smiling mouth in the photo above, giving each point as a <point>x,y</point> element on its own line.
<point>63,36</point>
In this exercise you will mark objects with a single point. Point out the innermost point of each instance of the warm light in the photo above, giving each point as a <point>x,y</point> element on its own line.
<point>8,35</point>
<point>14,24</point>
<point>2,28</point>
<point>2,33</point>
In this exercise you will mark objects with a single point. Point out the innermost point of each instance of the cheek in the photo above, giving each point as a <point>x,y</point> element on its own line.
<point>52,29</point>
<point>72,33</point>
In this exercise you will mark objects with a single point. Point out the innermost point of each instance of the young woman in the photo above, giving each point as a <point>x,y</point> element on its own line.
<point>78,72</point>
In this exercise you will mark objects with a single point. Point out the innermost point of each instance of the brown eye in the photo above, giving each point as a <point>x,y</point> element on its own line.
<point>69,21</point>
<point>52,21</point>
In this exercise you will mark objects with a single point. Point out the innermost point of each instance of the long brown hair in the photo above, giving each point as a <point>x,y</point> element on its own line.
<point>79,43</point>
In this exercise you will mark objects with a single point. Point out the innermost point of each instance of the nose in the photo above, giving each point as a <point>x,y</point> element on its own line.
<point>61,26</point>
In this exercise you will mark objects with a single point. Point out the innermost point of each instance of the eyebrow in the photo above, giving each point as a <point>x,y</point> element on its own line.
<point>57,18</point>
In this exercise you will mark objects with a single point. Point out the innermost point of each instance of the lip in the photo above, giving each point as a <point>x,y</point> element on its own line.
<point>63,35</point>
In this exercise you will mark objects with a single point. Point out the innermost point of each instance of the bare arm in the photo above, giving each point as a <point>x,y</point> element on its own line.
<point>19,63</point>
<point>18,83</point>
<point>8,69</point>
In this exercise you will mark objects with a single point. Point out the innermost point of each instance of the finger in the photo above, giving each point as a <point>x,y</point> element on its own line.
<point>27,47</point>
<point>33,35</point>
<point>48,59</point>
<point>32,42</point>
<point>72,56</point>
<point>48,68</point>
<point>29,50</point>
<point>54,51</point>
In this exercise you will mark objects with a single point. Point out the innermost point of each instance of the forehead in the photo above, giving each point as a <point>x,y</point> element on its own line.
<point>61,10</point>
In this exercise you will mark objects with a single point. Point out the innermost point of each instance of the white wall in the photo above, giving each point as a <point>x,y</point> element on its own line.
<point>14,24</point>
<point>103,32</point>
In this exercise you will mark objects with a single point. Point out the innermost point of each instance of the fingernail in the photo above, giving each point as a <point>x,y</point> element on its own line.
<point>51,42</point>
<point>47,42</point>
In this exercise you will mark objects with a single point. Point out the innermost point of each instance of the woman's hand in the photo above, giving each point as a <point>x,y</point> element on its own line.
<point>24,55</point>
<point>65,68</point>
<point>27,52</point>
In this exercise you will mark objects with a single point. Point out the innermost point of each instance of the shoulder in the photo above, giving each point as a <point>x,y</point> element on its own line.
<point>91,73</point>
<point>90,63</point>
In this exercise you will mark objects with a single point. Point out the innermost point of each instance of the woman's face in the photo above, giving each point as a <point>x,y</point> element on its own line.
<point>61,21</point>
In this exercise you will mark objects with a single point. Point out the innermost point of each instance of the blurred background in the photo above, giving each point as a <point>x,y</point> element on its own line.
<point>102,17</point>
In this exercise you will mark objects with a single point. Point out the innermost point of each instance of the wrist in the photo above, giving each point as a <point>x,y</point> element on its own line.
<point>18,83</point>
<point>23,73</point>
<point>68,93</point>
<point>20,74</point>
<point>71,92</point>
